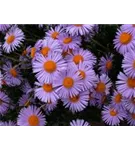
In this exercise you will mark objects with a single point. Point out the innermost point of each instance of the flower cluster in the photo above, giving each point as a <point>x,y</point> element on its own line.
<point>57,67</point>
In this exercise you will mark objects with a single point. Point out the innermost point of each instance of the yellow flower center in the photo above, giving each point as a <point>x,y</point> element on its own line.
<point>50,66</point>
<point>109,65</point>
<point>118,98</point>
<point>54,35</point>
<point>74,99</point>
<point>78,25</point>
<point>33,120</point>
<point>13,72</point>
<point>113,112</point>
<point>67,40</point>
<point>82,74</point>
<point>48,87</point>
<point>33,51</point>
<point>131,83</point>
<point>45,50</point>
<point>77,59</point>
<point>100,87</point>
<point>125,38</point>
<point>68,82</point>
<point>10,39</point>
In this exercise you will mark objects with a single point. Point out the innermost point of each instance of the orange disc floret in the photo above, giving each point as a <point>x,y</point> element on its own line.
<point>13,72</point>
<point>125,38</point>
<point>74,99</point>
<point>10,39</point>
<point>101,87</point>
<point>48,87</point>
<point>68,82</point>
<point>33,120</point>
<point>131,83</point>
<point>77,59</point>
<point>67,40</point>
<point>50,66</point>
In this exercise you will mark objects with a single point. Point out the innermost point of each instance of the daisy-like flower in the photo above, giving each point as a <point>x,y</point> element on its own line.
<point>68,83</point>
<point>131,119</point>
<point>11,74</point>
<point>128,27</point>
<point>79,29</point>
<point>46,92</point>
<point>78,102</point>
<point>8,123</point>
<point>124,41</point>
<point>1,77</point>
<point>50,106</point>
<point>4,27</point>
<point>117,100</point>
<point>111,116</point>
<point>81,55</point>
<point>48,67</point>
<point>13,39</point>
<point>25,100</point>
<point>129,63</point>
<point>126,85</point>
<point>103,85</point>
<point>54,33</point>
<point>32,52</point>
<point>79,122</point>
<point>69,42</point>
<point>105,64</point>
<point>88,76</point>
<point>31,116</point>
<point>4,102</point>
<point>129,104</point>
<point>49,45</point>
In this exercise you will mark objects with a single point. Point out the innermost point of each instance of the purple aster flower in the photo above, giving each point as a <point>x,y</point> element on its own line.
<point>32,52</point>
<point>111,116</point>
<point>77,103</point>
<point>49,45</point>
<point>129,64</point>
<point>81,55</point>
<point>54,33</point>
<point>48,67</point>
<point>68,83</point>
<point>4,27</point>
<point>79,29</point>
<point>117,100</point>
<point>105,64</point>
<point>69,42</point>
<point>31,116</point>
<point>103,85</point>
<point>131,119</point>
<point>129,104</point>
<point>126,85</point>
<point>11,74</point>
<point>124,41</point>
<point>13,39</point>
<point>128,27</point>
<point>8,123</point>
<point>4,102</point>
<point>79,122</point>
<point>46,92</point>
<point>88,76</point>
<point>25,100</point>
